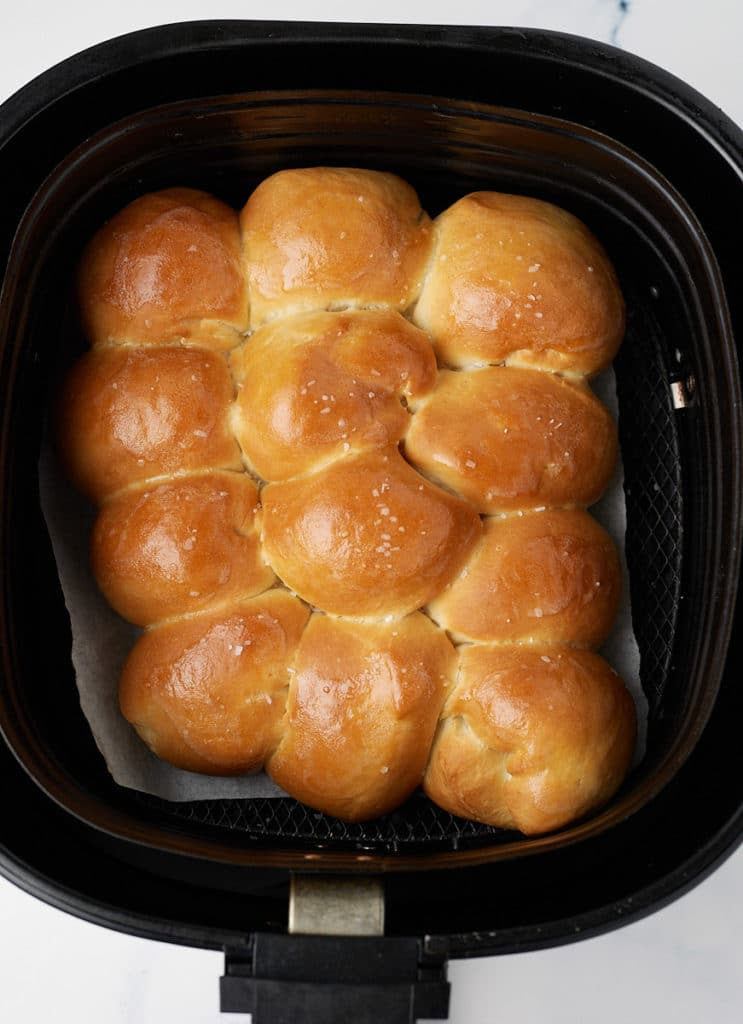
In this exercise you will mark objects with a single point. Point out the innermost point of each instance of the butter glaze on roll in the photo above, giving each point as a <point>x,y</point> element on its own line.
<point>307,500</point>
<point>315,386</point>
<point>531,737</point>
<point>510,439</point>
<point>363,704</point>
<point>165,549</point>
<point>549,577</point>
<point>521,281</point>
<point>207,693</point>
<point>367,536</point>
<point>330,238</point>
<point>167,268</point>
<point>133,414</point>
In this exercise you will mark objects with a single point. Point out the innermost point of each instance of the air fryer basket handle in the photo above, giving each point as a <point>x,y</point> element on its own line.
<point>328,979</point>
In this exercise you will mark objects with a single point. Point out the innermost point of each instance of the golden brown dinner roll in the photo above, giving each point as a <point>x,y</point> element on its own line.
<point>314,386</point>
<point>165,549</point>
<point>544,577</point>
<point>207,693</point>
<point>531,737</point>
<point>368,536</point>
<point>507,439</point>
<point>168,267</point>
<point>330,238</point>
<point>518,280</point>
<point>129,414</point>
<point>363,704</point>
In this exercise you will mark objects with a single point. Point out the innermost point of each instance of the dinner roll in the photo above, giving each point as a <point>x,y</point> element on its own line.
<point>518,280</point>
<point>551,577</point>
<point>314,386</point>
<point>207,693</point>
<point>531,737</point>
<point>330,238</point>
<point>168,267</point>
<point>165,549</point>
<point>368,536</point>
<point>510,439</point>
<point>363,703</point>
<point>133,414</point>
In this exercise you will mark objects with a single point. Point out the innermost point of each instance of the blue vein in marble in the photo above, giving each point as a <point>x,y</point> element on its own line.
<point>622,12</point>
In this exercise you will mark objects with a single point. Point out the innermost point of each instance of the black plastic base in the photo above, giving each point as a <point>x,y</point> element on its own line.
<point>301,979</point>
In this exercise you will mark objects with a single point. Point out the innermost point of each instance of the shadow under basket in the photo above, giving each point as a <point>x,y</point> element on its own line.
<point>214,872</point>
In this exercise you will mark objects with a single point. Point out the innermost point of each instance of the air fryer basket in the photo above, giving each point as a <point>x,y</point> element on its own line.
<point>669,277</point>
<point>657,174</point>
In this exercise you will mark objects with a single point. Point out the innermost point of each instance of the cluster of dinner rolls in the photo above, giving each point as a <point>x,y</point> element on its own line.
<point>342,455</point>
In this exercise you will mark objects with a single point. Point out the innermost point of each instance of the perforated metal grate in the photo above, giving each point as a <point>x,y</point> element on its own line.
<point>650,449</point>
<point>417,823</point>
<point>652,466</point>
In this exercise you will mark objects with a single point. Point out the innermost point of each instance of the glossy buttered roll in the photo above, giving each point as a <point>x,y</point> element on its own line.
<point>331,238</point>
<point>519,281</point>
<point>342,455</point>
<point>531,737</point>
<point>168,267</point>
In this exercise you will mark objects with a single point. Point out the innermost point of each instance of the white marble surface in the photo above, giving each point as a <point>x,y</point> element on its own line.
<point>685,963</point>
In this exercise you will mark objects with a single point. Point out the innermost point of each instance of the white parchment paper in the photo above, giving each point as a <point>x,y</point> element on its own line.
<point>621,650</point>
<point>101,640</point>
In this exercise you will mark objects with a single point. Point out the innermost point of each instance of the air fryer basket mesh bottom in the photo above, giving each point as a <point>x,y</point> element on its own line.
<point>652,468</point>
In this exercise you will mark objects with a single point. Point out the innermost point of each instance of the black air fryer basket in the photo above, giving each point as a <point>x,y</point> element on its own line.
<point>657,173</point>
